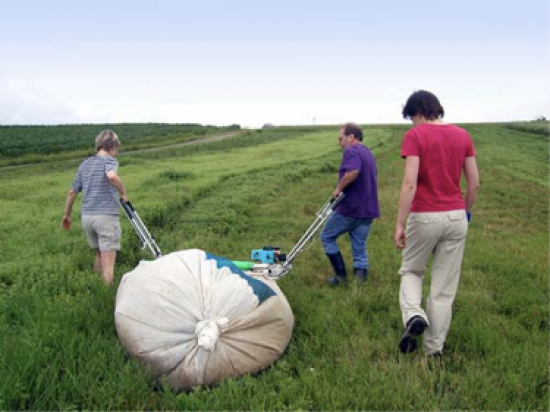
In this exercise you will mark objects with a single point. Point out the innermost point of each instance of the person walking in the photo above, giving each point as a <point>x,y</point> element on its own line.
<point>357,210</point>
<point>436,155</point>
<point>97,177</point>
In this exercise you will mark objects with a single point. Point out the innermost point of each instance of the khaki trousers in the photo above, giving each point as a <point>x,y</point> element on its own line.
<point>442,234</point>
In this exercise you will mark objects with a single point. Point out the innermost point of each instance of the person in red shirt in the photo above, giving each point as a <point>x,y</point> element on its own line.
<point>436,155</point>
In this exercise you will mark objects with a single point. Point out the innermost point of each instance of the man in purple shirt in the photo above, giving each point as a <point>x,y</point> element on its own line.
<point>354,215</point>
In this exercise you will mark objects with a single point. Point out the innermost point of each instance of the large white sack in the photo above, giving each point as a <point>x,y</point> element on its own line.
<point>188,318</point>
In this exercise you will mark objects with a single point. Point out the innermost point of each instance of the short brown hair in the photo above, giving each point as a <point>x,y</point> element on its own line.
<point>354,129</point>
<point>106,140</point>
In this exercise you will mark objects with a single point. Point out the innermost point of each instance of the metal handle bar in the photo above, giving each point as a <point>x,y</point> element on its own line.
<point>322,216</point>
<point>147,240</point>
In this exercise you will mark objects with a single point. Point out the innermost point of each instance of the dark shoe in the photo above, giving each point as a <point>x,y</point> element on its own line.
<point>336,281</point>
<point>415,327</point>
<point>360,275</point>
<point>339,267</point>
<point>435,359</point>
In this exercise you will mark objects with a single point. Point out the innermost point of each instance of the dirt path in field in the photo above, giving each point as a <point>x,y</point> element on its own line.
<point>150,149</point>
<point>188,143</point>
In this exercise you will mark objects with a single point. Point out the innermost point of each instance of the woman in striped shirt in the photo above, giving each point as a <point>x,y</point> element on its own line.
<point>97,178</point>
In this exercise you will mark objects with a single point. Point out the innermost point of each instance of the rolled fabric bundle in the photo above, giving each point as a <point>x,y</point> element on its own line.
<point>195,319</point>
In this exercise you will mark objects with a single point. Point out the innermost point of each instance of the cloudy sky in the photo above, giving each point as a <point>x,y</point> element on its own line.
<point>271,61</point>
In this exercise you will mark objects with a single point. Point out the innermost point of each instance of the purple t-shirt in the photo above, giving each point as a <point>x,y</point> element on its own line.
<point>361,199</point>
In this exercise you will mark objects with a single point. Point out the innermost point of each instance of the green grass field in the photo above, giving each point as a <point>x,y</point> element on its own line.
<point>44,144</point>
<point>59,349</point>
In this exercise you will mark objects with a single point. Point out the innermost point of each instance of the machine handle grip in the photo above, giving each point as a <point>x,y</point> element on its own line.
<point>127,206</point>
<point>335,201</point>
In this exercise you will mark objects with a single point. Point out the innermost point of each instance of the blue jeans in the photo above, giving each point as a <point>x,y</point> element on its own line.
<point>358,230</point>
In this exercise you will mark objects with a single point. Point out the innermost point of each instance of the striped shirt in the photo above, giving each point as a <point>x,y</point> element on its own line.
<point>100,197</point>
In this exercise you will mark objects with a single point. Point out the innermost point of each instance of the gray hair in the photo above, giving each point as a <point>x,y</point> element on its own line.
<point>106,140</point>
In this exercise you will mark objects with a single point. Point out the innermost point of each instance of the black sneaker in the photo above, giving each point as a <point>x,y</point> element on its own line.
<point>415,327</point>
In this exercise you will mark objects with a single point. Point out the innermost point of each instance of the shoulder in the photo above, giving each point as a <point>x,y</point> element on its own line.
<point>461,133</point>
<point>412,135</point>
<point>359,148</point>
<point>364,150</point>
<point>86,162</point>
<point>109,160</point>
<point>413,132</point>
<point>456,128</point>
<point>354,150</point>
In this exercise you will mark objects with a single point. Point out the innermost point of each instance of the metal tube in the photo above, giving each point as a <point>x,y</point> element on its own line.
<point>147,240</point>
<point>322,215</point>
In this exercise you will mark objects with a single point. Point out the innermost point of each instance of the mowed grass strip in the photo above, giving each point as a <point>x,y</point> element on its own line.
<point>61,349</point>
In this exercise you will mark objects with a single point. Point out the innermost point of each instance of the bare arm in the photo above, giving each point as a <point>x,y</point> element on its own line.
<point>66,222</point>
<point>472,181</point>
<point>117,184</point>
<point>408,190</point>
<point>348,178</point>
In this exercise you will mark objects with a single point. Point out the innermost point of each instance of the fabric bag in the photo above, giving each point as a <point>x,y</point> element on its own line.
<point>195,319</point>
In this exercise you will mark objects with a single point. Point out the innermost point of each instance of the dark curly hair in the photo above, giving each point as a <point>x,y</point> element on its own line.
<point>423,103</point>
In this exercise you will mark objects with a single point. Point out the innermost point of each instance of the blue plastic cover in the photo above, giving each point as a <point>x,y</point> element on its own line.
<point>261,290</point>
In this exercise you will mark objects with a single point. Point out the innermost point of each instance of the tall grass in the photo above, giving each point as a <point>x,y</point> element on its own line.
<point>59,348</point>
<point>538,127</point>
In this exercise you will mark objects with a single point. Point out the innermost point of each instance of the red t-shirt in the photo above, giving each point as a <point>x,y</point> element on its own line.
<point>442,150</point>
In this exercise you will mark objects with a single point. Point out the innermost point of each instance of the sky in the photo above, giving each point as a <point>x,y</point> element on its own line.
<point>251,62</point>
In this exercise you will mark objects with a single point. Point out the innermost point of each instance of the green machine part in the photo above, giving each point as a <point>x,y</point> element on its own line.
<point>243,265</point>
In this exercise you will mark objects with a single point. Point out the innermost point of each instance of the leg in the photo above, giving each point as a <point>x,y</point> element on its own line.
<point>445,276</point>
<point>108,266</point>
<point>109,234</point>
<point>91,236</point>
<point>334,227</point>
<point>358,237</point>
<point>97,262</point>
<point>423,233</point>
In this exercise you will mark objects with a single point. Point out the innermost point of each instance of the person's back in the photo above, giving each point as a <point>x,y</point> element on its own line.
<point>442,150</point>
<point>361,199</point>
<point>100,197</point>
